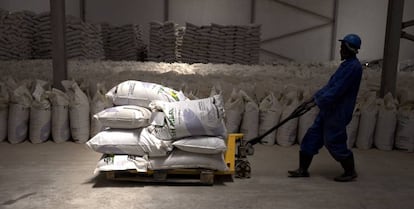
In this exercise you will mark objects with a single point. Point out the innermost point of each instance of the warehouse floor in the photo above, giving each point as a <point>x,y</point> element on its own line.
<point>54,175</point>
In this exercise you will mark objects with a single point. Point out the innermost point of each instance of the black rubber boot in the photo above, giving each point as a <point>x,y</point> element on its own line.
<point>304,163</point>
<point>349,167</point>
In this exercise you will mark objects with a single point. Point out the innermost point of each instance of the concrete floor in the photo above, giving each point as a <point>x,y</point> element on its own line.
<point>53,175</point>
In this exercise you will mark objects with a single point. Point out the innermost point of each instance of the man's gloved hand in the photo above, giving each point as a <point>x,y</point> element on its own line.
<point>310,103</point>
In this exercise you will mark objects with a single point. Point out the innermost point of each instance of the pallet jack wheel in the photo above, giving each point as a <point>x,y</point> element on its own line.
<point>242,169</point>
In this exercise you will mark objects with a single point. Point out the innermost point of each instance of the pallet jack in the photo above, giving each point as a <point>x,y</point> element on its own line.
<point>235,158</point>
<point>242,167</point>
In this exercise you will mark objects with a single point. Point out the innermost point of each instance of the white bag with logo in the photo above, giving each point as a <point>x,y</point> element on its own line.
<point>142,93</point>
<point>203,117</point>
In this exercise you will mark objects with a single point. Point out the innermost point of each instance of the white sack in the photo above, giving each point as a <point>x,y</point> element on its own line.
<point>366,129</point>
<point>78,112</point>
<point>18,123</point>
<point>130,142</point>
<point>352,128</point>
<point>126,116</point>
<point>286,134</point>
<point>404,138</point>
<point>99,103</point>
<point>142,93</point>
<point>270,111</point>
<point>180,159</point>
<point>40,114</point>
<point>250,122</point>
<point>19,112</point>
<point>4,111</point>
<point>234,108</point>
<point>121,163</point>
<point>201,144</point>
<point>203,117</point>
<point>386,123</point>
<point>60,116</point>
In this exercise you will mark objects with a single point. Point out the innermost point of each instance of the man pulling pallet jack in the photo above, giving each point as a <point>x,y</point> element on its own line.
<point>336,101</point>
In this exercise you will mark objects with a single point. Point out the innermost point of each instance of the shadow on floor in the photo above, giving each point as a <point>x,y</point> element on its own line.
<point>101,180</point>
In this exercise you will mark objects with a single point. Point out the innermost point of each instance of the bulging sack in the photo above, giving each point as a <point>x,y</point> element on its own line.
<point>60,116</point>
<point>270,111</point>
<point>234,108</point>
<point>386,123</point>
<point>404,138</point>
<point>201,144</point>
<point>250,122</point>
<point>40,114</point>
<point>18,123</point>
<point>78,112</point>
<point>142,93</point>
<point>19,112</point>
<point>180,159</point>
<point>203,117</point>
<point>130,142</point>
<point>124,117</point>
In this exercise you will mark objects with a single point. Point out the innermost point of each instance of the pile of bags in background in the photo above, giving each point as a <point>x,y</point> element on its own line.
<point>270,94</point>
<point>376,122</point>
<point>34,111</point>
<point>16,34</point>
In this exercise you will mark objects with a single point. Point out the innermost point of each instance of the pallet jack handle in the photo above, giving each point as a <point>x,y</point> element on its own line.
<point>299,111</point>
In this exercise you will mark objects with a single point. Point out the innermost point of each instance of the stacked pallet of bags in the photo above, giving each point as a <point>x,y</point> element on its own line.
<point>123,42</point>
<point>221,44</point>
<point>16,34</point>
<point>83,40</point>
<point>164,40</point>
<point>155,127</point>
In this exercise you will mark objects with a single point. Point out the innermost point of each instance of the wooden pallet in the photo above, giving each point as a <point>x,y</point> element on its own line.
<point>197,176</point>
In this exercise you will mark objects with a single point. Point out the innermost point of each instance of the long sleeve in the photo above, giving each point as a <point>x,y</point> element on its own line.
<point>343,78</point>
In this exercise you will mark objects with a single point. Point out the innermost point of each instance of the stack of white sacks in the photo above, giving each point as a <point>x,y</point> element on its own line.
<point>34,111</point>
<point>154,127</point>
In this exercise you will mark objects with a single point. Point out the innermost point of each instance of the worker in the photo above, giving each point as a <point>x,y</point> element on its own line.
<point>336,102</point>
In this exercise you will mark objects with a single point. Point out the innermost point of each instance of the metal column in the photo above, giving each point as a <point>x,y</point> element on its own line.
<point>82,11</point>
<point>391,47</point>
<point>57,10</point>
<point>252,11</point>
<point>166,10</point>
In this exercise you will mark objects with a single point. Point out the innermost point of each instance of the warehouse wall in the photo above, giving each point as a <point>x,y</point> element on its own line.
<point>72,6</point>
<point>276,20</point>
